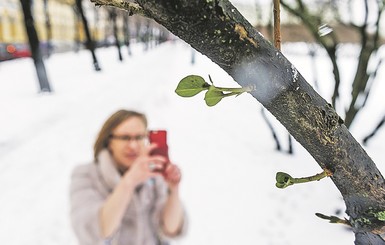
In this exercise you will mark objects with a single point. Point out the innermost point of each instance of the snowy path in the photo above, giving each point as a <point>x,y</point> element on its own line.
<point>225,152</point>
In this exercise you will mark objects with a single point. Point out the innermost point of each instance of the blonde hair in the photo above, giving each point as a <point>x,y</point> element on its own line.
<point>111,123</point>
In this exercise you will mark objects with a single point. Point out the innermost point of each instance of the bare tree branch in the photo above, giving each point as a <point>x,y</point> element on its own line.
<point>376,129</point>
<point>131,7</point>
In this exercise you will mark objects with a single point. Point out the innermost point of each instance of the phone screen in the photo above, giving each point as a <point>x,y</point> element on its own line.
<point>159,137</point>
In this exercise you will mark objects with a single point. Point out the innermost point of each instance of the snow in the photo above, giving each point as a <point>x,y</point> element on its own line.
<point>226,152</point>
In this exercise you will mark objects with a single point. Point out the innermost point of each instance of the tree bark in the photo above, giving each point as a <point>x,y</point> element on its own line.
<point>216,28</point>
<point>113,15</point>
<point>48,28</point>
<point>89,42</point>
<point>34,44</point>
<point>127,33</point>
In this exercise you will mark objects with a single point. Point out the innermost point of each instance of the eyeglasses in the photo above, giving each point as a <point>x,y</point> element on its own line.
<point>129,138</point>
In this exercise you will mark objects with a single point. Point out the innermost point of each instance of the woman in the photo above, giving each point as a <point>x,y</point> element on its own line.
<point>120,198</point>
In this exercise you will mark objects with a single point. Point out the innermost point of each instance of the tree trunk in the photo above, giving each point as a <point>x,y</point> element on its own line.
<point>127,34</point>
<point>90,44</point>
<point>113,15</point>
<point>77,28</point>
<point>215,28</point>
<point>48,28</point>
<point>34,46</point>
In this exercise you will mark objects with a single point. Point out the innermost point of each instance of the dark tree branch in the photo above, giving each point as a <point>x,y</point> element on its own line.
<point>312,54</point>
<point>372,78</point>
<point>275,137</point>
<point>369,44</point>
<point>127,34</point>
<point>381,9</point>
<point>113,15</point>
<point>90,44</point>
<point>34,45</point>
<point>368,137</point>
<point>290,148</point>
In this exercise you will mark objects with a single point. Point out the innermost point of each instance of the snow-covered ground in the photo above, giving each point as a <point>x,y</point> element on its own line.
<point>226,152</point>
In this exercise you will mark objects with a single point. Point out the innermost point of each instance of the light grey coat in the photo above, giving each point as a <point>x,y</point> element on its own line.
<point>90,186</point>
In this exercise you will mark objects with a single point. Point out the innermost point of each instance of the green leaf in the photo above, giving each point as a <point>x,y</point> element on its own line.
<point>283,180</point>
<point>213,96</point>
<point>191,85</point>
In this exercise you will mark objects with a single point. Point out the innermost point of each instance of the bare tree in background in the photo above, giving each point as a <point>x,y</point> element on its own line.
<point>127,33</point>
<point>112,13</point>
<point>368,137</point>
<point>90,43</point>
<point>34,44</point>
<point>77,26</point>
<point>48,47</point>
<point>316,21</point>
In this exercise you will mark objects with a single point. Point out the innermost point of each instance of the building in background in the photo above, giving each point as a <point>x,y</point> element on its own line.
<point>65,26</point>
<point>66,30</point>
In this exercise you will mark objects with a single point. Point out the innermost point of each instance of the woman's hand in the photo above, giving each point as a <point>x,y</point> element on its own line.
<point>172,175</point>
<point>144,167</point>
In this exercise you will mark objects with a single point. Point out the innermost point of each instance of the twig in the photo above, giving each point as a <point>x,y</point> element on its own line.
<point>333,219</point>
<point>277,23</point>
<point>284,180</point>
<point>131,7</point>
<point>379,125</point>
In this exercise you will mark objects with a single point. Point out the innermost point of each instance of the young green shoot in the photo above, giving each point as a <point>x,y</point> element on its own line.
<point>333,219</point>
<point>193,85</point>
<point>284,180</point>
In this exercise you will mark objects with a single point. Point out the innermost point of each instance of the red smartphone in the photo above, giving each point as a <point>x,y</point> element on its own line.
<point>159,137</point>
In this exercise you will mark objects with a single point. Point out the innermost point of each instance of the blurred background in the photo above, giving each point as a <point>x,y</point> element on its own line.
<point>66,65</point>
